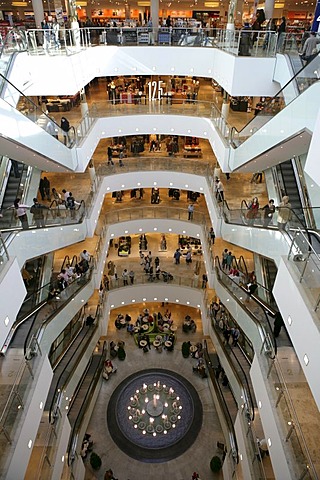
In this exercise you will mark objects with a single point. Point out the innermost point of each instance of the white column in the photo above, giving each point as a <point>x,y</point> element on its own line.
<point>268,9</point>
<point>154,11</point>
<point>127,11</point>
<point>38,11</point>
<point>231,14</point>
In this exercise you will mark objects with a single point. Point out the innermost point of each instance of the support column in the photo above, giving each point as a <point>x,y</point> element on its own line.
<point>231,14</point>
<point>225,105</point>
<point>238,13</point>
<point>268,9</point>
<point>38,11</point>
<point>127,11</point>
<point>154,12</point>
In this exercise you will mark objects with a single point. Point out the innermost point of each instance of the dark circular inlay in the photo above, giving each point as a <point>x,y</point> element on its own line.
<point>161,448</point>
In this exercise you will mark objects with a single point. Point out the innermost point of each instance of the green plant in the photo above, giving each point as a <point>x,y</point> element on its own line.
<point>121,353</point>
<point>95,461</point>
<point>185,349</point>
<point>215,464</point>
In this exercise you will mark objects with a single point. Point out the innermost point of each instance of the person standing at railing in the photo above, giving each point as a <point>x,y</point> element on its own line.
<point>219,190</point>
<point>55,31</point>
<point>310,51</point>
<point>37,211</point>
<point>21,213</point>
<point>284,213</point>
<point>110,153</point>
<point>253,211</point>
<point>281,34</point>
<point>65,127</point>
<point>268,211</point>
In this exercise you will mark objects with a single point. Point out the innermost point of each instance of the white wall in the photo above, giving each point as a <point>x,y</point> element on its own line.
<point>42,75</point>
<point>312,164</point>
<point>304,329</point>
<point>12,286</point>
<point>279,457</point>
<point>32,418</point>
<point>29,244</point>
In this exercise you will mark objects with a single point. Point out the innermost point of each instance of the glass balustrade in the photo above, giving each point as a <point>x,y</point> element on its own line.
<point>300,449</point>
<point>17,100</point>
<point>237,42</point>
<point>306,76</point>
<point>14,41</point>
<point>4,256</point>
<point>52,217</point>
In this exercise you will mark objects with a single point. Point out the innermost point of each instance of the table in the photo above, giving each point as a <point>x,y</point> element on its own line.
<point>156,343</point>
<point>143,343</point>
<point>168,344</point>
<point>136,330</point>
<point>122,321</point>
<point>193,348</point>
<point>166,326</point>
<point>173,328</point>
<point>145,327</point>
<point>145,319</point>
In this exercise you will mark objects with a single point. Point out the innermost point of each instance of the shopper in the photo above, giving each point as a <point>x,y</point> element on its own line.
<point>284,213</point>
<point>37,211</point>
<point>190,211</point>
<point>268,211</point>
<point>21,213</point>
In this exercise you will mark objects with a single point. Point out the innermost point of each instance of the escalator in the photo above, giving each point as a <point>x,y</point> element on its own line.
<point>290,187</point>
<point>82,398</point>
<point>14,184</point>
<point>270,271</point>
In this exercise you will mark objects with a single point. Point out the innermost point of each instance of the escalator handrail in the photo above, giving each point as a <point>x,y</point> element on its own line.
<point>32,334</point>
<point>65,375</point>
<point>256,320</point>
<point>223,403</point>
<point>87,398</point>
<point>227,353</point>
<point>278,94</point>
<point>297,219</point>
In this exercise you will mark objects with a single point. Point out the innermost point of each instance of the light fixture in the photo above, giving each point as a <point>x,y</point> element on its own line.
<point>6,321</point>
<point>306,359</point>
<point>144,3</point>
<point>81,3</point>
<point>19,4</point>
<point>211,4</point>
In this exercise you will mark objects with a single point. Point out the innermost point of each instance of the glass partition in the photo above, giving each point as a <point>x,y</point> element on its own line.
<point>295,438</point>
<point>14,41</point>
<point>306,76</point>
<point>53,216</point>
<point>237,42</point>
<point>16,99</point>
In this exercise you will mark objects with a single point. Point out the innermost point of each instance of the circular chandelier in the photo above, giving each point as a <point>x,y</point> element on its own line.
<point>154,409</point>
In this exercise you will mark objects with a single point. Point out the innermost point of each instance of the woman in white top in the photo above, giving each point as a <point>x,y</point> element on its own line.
<point>21,212</point>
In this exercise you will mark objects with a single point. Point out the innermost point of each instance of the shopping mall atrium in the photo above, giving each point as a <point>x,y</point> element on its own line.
<point>159,255</point>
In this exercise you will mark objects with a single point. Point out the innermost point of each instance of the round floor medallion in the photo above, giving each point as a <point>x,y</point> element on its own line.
<point>154,415</point>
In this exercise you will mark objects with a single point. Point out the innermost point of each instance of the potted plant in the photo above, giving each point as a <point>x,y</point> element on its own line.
<point>215,464</point>
<point>185,349</point>
<point>121,353</point>
<point>95,461</point>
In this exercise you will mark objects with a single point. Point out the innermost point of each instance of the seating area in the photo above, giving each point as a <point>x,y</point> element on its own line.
<point>149,330</point>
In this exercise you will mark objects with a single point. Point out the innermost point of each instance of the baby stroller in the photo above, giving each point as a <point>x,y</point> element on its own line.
<point>166,276</point>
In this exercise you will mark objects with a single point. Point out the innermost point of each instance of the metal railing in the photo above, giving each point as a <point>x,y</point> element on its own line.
<point>259,43</point>
<point>74,436</point>
<point>232,439</point>
<point>306,262</point>
<point>280,396</point>
<point>52,217</point>
<point>26,106</point>
<point>4,255</point>
<point>247,409</point>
